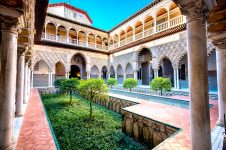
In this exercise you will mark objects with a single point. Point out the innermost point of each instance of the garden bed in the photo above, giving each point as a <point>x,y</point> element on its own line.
<point>74,130</point>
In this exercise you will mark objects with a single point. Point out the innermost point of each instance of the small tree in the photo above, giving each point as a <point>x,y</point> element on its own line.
<point>111,82</point>
<point>93,89</point>
<point>69,86</point>
<point>162,84</point>
<point>130,83</point>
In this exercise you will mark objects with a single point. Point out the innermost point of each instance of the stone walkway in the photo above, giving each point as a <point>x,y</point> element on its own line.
<point>35,133</point>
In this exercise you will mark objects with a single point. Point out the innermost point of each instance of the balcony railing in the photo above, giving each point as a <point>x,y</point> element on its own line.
<point>116,45</point>
<point>149,32</point>
<point>99,46</point>
<point>61,39</point>
<point>129,40</point>
<point>82,43</point>
<point>91,45</point>
<point>51,37</point>
<point>130,37</point>
<point>161,27</point>
<point>138,36</point>
<point>73,41</point>
<point>122,42</point>
<point>176,21</point>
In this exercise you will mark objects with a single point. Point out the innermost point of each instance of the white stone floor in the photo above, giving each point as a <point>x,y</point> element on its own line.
<point>217,138</point>
<point>18,123</point>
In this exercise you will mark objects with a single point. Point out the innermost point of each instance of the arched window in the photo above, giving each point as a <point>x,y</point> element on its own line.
<point>72,36</point>
<point>138,30</point>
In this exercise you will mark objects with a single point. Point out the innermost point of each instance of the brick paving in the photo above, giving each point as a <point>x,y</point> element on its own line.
<point>35,133</point>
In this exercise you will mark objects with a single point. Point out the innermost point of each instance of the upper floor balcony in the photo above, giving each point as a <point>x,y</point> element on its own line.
<point>164,19</point>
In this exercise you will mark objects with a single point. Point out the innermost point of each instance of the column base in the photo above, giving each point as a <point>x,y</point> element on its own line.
<point>220,123</point>
<point>11,147</point>
<point>19,115</point>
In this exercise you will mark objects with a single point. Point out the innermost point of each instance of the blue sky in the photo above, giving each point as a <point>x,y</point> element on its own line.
<point>108,13</point>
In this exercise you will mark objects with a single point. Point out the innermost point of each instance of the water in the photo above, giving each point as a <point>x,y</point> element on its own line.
<point>157,99</point>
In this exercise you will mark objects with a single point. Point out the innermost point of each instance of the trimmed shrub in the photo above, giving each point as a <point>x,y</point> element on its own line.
<point>161,84</point>
<point>111,82</point>
<point>130,83</point>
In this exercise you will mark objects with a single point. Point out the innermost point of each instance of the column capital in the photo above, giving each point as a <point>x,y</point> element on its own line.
<point>9,24</point>
<point>21,51</point>
<point>195,9</point>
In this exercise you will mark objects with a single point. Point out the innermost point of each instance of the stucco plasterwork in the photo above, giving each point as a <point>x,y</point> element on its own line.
<point>174,51</point>
<point>51,58</point>
<point>123,60</point>
<point>99,62</point>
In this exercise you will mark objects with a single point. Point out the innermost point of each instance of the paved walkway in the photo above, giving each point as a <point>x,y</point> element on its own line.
<point>35,133</point>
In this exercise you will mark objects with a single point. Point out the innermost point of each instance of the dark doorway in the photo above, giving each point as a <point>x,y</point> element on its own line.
<point>182,72</point>
<point>104,72</point>
<point>75,72</point>
<point>160,74</point>
<point>145,73</point>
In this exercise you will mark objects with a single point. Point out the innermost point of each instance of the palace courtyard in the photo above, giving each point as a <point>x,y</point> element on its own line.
<point>156,80</point>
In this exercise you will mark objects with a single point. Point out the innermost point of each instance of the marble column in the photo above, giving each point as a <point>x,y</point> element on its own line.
<point>32,78</point>
<point>135,74</point>
<point>156,73</point>
<point>109,75</point>
<point>221,82</point>
<point>178,79</point>
<point>29,82</point>
<point>65,76</point>
<point>8,81</point>
<point>124,76</point>
<point>20,82</point>
<point>88,75</point>
<point>25,83</point>
<point>175,78</point>
<point>198,79</point>
<point>49,79</point>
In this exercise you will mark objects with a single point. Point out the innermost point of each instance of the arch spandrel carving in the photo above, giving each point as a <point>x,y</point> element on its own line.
<point>50,58</point>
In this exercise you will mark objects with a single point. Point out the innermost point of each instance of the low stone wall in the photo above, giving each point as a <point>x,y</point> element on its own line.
<point>115,104</point>
<point>47,90</point>
<point>145,130</point>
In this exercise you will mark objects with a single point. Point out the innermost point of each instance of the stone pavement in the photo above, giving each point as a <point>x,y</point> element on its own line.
<point>35,133</point>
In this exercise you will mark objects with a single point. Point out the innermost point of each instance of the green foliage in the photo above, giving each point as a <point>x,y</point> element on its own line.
<point>74,132</point>
<point>93,89</point>
<point>69,86</point>
<point>130,83</point>
<point>111,82</point>
<point>162,84</point>
<point>58,82</point>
